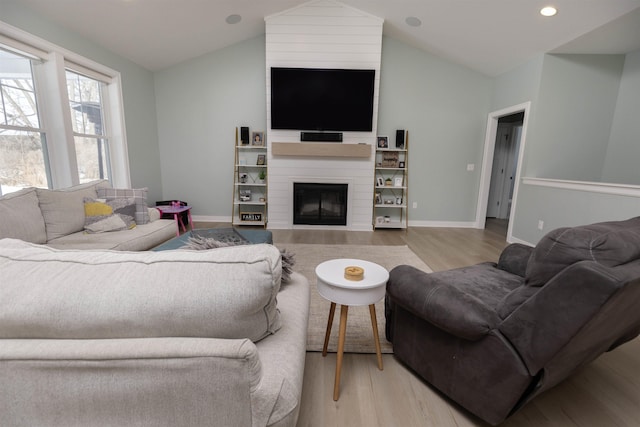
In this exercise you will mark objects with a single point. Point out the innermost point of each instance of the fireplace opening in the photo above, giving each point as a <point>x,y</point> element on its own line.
<point>319,204</point>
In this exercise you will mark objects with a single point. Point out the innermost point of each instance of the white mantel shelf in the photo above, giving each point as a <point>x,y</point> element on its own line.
<point>323,149</point>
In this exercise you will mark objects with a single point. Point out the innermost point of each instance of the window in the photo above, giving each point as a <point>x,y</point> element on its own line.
<point>87,120</point>
<point>22,139</point>
<point>61,117</point>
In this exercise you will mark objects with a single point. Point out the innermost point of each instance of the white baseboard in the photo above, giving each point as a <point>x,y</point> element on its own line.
<point>441,224</point>
<point>207,218</point>
<point>516,240</point>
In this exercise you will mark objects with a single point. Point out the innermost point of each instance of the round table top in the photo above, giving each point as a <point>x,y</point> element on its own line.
<point>333,286</point>
<point>332,273</point>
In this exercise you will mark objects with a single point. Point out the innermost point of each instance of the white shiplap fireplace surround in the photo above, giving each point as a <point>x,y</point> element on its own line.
<point>322,34</point>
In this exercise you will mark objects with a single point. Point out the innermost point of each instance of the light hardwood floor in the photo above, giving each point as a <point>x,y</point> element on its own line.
<point>604,393</point>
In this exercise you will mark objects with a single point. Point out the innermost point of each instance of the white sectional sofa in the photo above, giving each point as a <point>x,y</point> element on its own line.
<point>57,218</point>
<point>171,338</point>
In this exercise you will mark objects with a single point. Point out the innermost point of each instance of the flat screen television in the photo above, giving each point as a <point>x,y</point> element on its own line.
<point>317,99</point>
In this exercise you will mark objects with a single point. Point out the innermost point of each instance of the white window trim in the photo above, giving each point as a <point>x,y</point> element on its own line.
<point>54,107</point>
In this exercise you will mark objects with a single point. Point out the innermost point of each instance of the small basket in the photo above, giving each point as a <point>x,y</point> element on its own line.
<point>354,273</point>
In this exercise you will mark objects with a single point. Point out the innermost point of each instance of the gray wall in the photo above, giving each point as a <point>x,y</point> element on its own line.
<point>137,86</point>
<point>200,103</point>
<point>623,152</point>
<point>574,114</point>
<point>583,123</point>
<point>444,108</point>
<point>442,105</point>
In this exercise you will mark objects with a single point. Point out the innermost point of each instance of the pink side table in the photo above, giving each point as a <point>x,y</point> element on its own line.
<point>176,211</point>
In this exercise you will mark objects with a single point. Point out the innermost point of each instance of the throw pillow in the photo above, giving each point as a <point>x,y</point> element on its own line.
<point>138,194</point>
<point>113,215</point>
<point>63,210</point>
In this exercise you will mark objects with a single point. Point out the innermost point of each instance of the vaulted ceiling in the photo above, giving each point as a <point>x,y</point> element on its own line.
<point>489,36</point>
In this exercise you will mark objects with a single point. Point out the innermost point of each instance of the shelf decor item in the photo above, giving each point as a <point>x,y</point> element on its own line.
<point>257,139</point>
<point>251,216</point>
<point>387,182</point>
<point>261,159</point>
<point>397,181</point>
<point>400,139</point>
<point>383,142</point>
<point>390,159</point>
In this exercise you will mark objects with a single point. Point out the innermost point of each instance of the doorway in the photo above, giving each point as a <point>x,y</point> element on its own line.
<point>503,153</point>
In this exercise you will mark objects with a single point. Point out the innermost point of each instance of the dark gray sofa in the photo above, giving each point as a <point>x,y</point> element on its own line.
<point>493,336</point>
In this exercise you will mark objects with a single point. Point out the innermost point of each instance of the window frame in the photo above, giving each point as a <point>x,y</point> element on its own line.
<point>51,93</point>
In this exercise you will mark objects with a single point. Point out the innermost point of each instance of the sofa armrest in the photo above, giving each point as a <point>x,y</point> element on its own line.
<point>514,259</point>
<point>154,214</point>
<point>433,298</point>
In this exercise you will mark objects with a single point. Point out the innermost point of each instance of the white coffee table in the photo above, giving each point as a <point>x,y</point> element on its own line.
<point>333,286</point>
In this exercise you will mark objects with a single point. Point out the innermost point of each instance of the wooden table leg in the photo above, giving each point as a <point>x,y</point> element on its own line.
<point>374,325</point>
<point>332,310</point>
<point>343,329</point>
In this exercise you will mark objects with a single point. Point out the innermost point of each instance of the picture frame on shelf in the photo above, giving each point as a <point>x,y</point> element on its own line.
<point>245,195</point>
<point>379,182</point>
<point>378,198</point>
<point>261,160</point>
<point>398,200</point>
<point>397,181</point>
<point>383,142</point>
<point>257,139</point>
<point>390,159</point>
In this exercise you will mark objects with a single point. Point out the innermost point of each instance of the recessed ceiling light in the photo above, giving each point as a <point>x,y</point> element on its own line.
<point>413,21</point>
<point>548,11</point>
<point>233,19</point>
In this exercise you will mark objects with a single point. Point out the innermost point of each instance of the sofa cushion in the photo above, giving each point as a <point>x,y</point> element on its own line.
<point>82,294</point>
<point>139,194</point>
<point>607,243</point>
<point>63,210</point>
<point>113,215</point>
<point>21,217</point>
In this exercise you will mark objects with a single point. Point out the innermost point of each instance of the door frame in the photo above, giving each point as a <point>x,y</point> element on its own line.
<point>487,164</point>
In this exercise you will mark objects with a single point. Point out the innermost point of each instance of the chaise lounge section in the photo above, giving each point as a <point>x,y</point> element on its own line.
<point>170,338</point>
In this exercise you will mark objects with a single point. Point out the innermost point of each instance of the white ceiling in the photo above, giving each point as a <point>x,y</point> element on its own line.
<point>490,36</point>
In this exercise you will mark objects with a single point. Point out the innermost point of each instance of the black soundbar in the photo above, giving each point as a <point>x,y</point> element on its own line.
<point>321,136</point>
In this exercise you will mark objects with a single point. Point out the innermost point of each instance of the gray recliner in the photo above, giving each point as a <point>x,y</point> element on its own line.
<point>493,336</point>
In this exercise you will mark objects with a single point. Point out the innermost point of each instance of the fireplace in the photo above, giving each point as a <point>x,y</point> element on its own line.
<point>319,204</point>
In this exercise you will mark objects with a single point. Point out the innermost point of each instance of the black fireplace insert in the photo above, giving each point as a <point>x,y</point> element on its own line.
<point>319,204</point>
